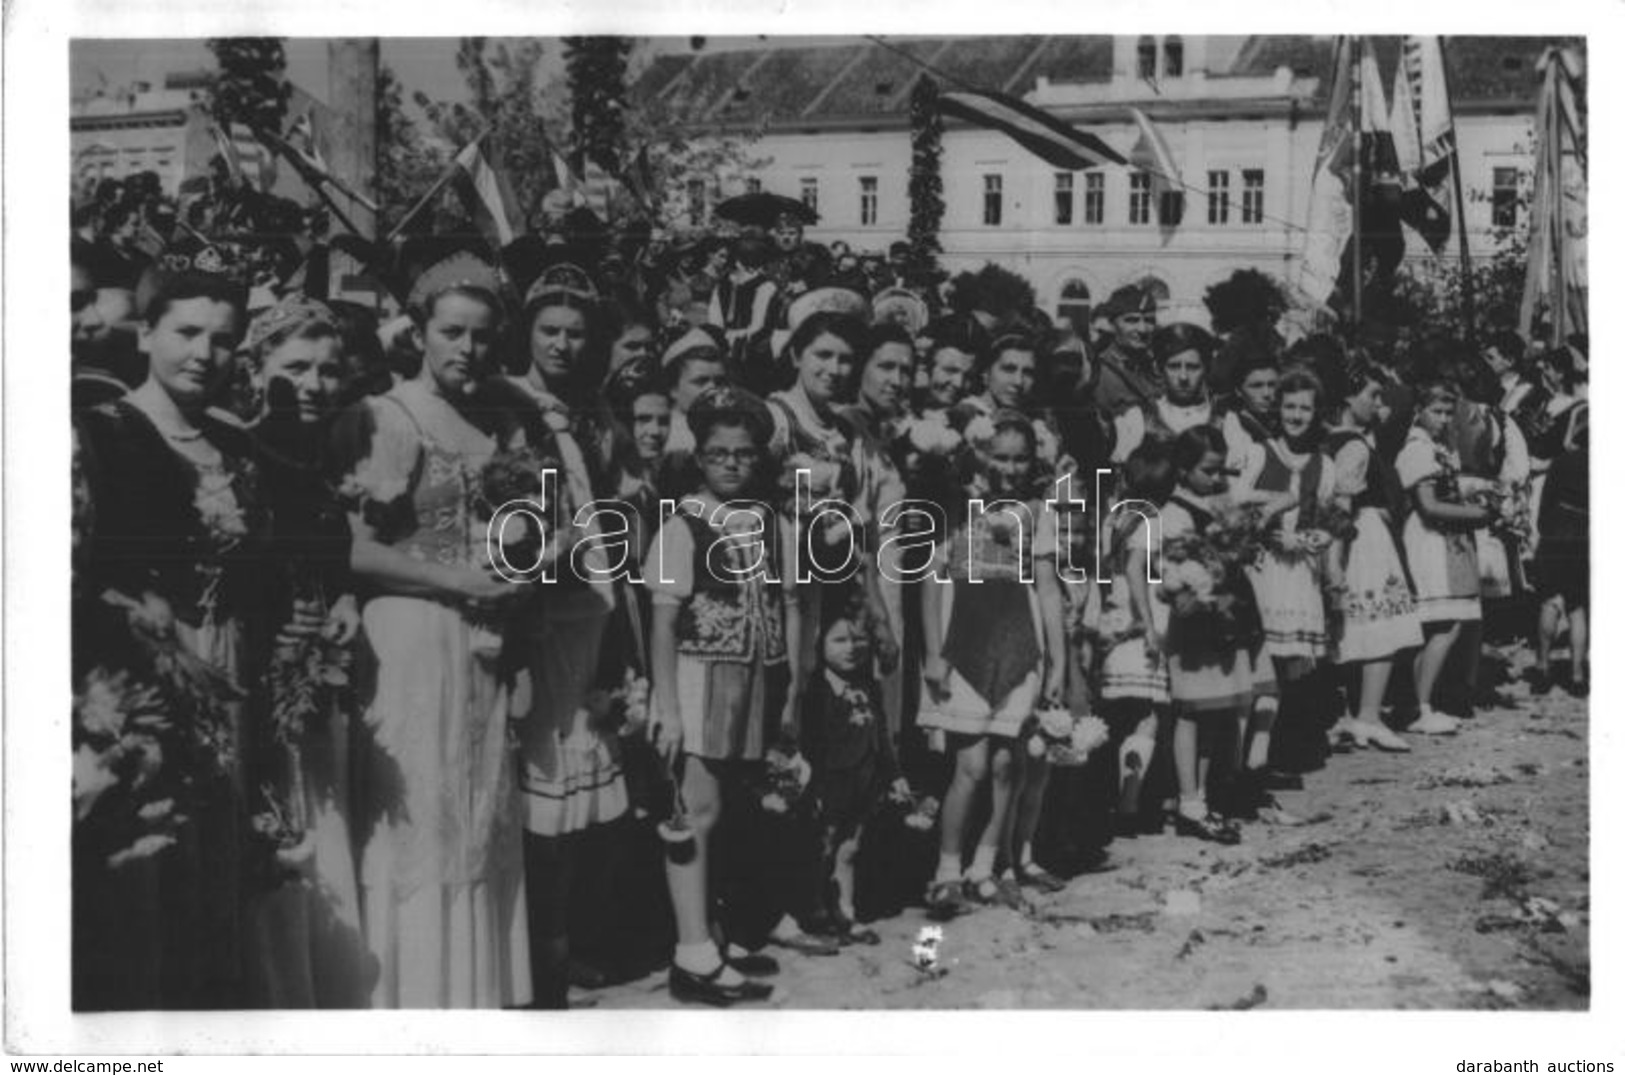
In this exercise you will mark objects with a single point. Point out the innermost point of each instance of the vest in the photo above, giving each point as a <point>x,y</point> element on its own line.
<point>726,619</point>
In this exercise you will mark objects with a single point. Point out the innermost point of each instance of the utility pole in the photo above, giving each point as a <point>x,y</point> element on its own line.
<point>352,77</point>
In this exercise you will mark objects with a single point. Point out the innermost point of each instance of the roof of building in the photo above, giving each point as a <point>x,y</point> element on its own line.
<point>865,80</point>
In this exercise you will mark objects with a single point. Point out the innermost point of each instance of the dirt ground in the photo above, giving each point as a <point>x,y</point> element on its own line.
<point>1453,877</point>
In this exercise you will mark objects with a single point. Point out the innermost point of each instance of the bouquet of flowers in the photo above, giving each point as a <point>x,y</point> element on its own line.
<point>929,434</point>
<point>1210,601</point>
<point>384,503</point>
<point>1063,738</point>
<point>1314,535</point>
<point>513,474</point>
<point>282,830</point>
<point>919,812</point>
<point>824,482</point>
<point>146,735</point>
<point>784,786</point>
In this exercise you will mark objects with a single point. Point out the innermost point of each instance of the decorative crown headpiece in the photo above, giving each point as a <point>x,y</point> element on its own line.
<point>563,278</point>
<point>461,269</point>
<point>292,313</point>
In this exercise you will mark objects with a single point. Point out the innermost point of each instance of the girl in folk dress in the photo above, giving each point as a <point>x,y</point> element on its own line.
<point>1439,544</point>
<point>1210,678</point>
<point>442,871</point>
<point>1133,679</point>
<point>1294,481</point>
<point>724,645</point>
<point>993,653</point>
<point>1374,614</point>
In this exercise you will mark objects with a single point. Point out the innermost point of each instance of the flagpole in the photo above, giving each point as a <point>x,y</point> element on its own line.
<point>434,191</point>
<point>1554,135</point>
<point>282,149</point>
<point>1357,92</point>
<point>1468,299</point>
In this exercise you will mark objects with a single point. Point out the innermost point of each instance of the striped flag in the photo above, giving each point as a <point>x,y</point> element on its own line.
<point>486,193</point>
<point>1041,134</point>
<point>246,157</point>
<point>1331,210</point>
<point>1557,275</point>
<point>1426,117</point>
<point>1151,153</point>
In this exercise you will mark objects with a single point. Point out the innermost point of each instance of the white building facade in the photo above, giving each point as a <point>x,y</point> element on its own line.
<point>1245,145</point>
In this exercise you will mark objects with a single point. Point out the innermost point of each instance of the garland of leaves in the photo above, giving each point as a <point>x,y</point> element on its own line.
<point>925,205</point>
<point>597,73</point>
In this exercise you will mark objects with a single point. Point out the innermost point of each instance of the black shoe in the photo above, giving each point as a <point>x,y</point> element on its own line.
<point>584,975</point>
<point>705,989</point>
<point>1276,780</point>
<point>1210,828</point>
<point>1540,682</point>
<point>1579,690</point>
<point>755,965</point>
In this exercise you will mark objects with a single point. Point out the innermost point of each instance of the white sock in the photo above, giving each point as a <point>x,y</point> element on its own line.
<point>947,869</point>
<point>982,865</point>
<point>701,958</point>
<point>1194,807</point>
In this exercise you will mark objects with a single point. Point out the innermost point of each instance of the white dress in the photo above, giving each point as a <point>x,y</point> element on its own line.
<point>1288,589</point>
<point>443,896</point>
<point>1444,564</point>
<point>1376,611</point>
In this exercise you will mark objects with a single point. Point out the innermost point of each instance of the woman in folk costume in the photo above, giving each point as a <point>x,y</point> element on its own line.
<point>810,434</point>
<point>572,781</point>
<point>309,932</point>
<point>884,376</point>
<point>1373,612</point>
<point>442,868</point>
<point>170,558</point>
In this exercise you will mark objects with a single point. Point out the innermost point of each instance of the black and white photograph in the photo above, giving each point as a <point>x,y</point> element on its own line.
<point>672,524</point>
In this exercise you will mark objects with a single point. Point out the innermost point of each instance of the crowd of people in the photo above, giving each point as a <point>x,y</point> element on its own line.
<point>329,752</point>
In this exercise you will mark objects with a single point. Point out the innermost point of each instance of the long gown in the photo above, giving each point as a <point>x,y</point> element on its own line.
<point>442,874</point>
<point>165,930</point>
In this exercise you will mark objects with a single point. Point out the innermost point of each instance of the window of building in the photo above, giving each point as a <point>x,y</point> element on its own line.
<point>1252,196</point>
<point>993,200</point>
<point>1147,57</point>
<point>1074,306</point>
<point>1218,197</point>
<point>809,192</point>
<point>696,202</point>
<point>1173,58</point>
<point>868,199</point>
<point>1094,198</point>
<point>753,186</point>
<point>1063,197</point>
<point>1171,208</point>
<point>1139,198</point>
<point>1504,198</point>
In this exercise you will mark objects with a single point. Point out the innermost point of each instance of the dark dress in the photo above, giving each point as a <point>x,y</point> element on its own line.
<point>1564,558</point>
<point>164,930</point>
<point>850,751</point>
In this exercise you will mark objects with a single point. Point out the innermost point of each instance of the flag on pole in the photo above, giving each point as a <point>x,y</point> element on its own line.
<point>1557,272</point>
<point>1152,156</point>
<point>1381,238</point>
<point>486,193</point>
<point>1331,210</point>
<point>309,162</point>
<point>247,158</point>
<point>1428,160</point>
<point>1046,137</point>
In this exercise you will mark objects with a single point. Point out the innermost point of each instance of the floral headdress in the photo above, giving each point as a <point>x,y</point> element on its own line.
<point>293,313</point>
<point>459,270</point>
<point>827,299</point>
<point>695,339</point>
<point>726,402</point>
